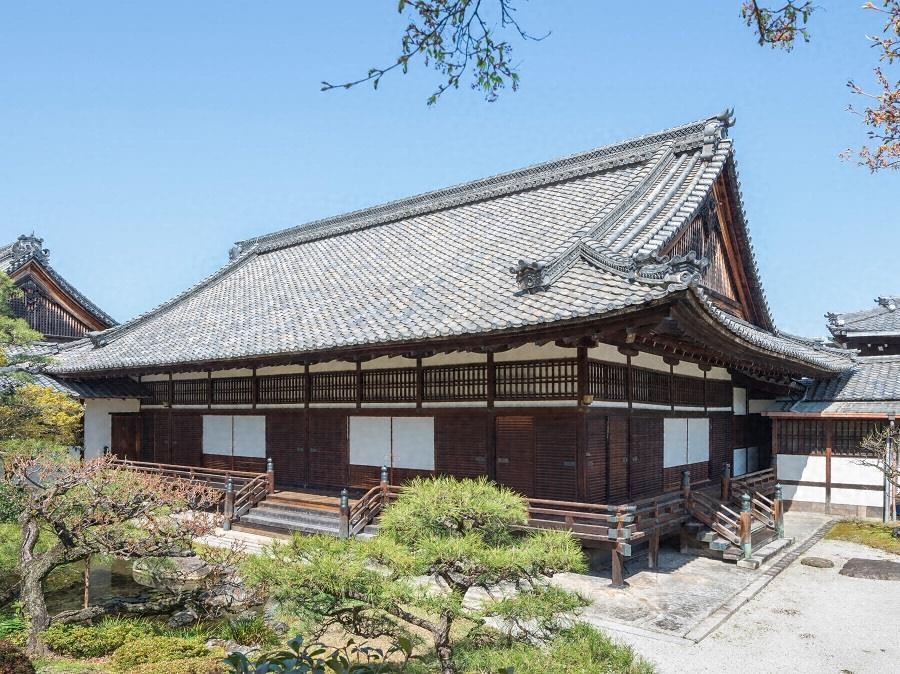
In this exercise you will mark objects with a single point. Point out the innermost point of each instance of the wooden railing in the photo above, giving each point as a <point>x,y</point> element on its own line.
<point>761,481</point>
<point>241,490</point>
<point>717,516</point>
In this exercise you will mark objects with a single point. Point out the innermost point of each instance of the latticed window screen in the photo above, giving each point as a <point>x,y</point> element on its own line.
<point>537,379</point>
<point>801,436</point>
<point>650,386</point>
<point>159,392</point>
<point>688,391</point>
<point>455,382</point>
<point>389,385</point>
<point>849,433</point>
<point>607,381</point>
<point>333,387</point>
<point>232,391</point>
<point>281,389</point>
<point>190,391</point>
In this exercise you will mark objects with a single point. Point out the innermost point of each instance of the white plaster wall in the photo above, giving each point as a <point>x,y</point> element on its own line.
<point>606,352</point>
<point>534,352</point>
<point>864,497</point>
<point>154,377</point>
<point>455,358</point>
<point>190,375</point>
<point>388,362</point>
<point>739,400</point>
<point>845,470</point>
<point>763,405</point>
<point>718,373</point>
<point>332,366</point>
<point>650,361</point>
<point>280,369</point>
<point>795,492</point>
<point>237,372</point>
<point>98,425</point>
<point>802,468</point>
<point>687,369</point>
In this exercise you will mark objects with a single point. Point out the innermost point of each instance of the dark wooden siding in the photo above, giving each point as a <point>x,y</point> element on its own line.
<point>554,458</point>
<point>618,459</point>
<point>460,444</point>
<point>161,447</point>
<point>187,439</point>
<point>720,445</point>
<point>124,436</point>
<point>515,453</point>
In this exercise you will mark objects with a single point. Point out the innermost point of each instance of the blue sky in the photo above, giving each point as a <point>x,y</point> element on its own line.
<point>142,139</point>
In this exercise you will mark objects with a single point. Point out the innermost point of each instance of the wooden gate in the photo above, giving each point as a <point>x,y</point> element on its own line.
<point>285,445</point>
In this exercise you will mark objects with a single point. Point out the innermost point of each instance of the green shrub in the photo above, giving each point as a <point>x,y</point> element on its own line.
<point>13,660</point>
<point>252,631</point>
<point>209,664</point>
<point>155,649</point>
<point>10,505</point>
<point>10,625</point>
<point>95,641</point>
<point>578,650</point>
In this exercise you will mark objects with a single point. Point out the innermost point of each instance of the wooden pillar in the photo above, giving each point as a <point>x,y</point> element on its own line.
<point>746,526</point>
<point>270,475</point>
<point>686,485</point>
<point>307,396</point>
<point>778,512</point>
<point>491,393</point>
<point>229,504</point>
<point>209,389</point>
<point>581,424</point>
<point>420,383</point>
<point>618,558</point>
<point>254,388</point>
<point>653,545</point>
<point>359,384</point>
<point>726,482</point>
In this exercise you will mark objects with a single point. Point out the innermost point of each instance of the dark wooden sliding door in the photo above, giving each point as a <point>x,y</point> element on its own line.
<point>285,445</point>
<point>328,456</point>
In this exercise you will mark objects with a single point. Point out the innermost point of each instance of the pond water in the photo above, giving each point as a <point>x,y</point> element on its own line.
<point>109,578</point>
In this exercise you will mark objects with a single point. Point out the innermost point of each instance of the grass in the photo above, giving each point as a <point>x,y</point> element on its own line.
<point>873,534</point>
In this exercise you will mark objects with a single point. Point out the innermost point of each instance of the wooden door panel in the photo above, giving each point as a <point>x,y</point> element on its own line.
<point>161,448</point>
<point>187,439</point>
<point>124,432</point>
<point>515,453</point>
<point>328,450</point>
<point>645,461</point>
<point>618,459</point>
<point>460,445</point>
<point>285,445</point>
<point>554,458</point>
<point>595,460</point>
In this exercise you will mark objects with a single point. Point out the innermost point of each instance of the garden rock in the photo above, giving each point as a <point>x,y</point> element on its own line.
<point>817,562</point>
<point>231,646</point>
<point>874,569</point>
<point>183,618</point>
<point>895,532</point>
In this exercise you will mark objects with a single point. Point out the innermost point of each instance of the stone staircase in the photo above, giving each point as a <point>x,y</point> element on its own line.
<point>284,516</point>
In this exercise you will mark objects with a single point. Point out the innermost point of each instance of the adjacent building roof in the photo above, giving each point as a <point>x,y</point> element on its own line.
<point>30,248</point>
<point>881,320</point>
<point>574,238</point>
<point>113,387</point>
<point>870,386</point>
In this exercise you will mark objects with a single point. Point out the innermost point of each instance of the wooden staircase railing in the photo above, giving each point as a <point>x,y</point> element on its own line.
<point>717,516</point>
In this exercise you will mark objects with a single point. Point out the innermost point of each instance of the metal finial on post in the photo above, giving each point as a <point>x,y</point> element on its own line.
<point>385,480</point>
<point>778,511</point>
<point>726,482</point>
<point>105,450</point>
<point>686,484</point>
<point>746,528</point>
<point>344,523</point>
<point>229,504</point>
<point>270,475</point>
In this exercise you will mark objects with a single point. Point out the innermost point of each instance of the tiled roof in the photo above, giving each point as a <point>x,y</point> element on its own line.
<point>582,230</point>
<point>872,385</point>
<point>27,248</point>
<point>882,319</point>
<point>114,387</point>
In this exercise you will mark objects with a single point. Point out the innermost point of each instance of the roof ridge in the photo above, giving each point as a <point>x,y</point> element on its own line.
<point>633,150</point>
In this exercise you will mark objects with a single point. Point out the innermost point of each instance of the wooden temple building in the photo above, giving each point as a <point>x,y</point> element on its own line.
<point>590,330</point>
<point>50,304</point>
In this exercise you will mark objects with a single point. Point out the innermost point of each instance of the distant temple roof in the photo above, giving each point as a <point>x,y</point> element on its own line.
<point>15,259</point>
<point>568,240</point>
<point>881,320</point>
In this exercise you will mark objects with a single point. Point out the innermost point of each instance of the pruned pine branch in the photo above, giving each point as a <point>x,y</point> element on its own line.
<point>457,38</point>
<point>880,451</point>
<point>778,28</point>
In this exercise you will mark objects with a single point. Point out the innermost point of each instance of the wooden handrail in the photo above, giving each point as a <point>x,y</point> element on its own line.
<point>175,466</point>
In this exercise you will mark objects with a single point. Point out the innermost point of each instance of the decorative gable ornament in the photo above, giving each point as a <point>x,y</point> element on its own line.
<point>236,251</point>
<point>715,130</point>
<point>678,270</point>
<point>529,275</point>
<point>29,246</point>
<point>889,303</point>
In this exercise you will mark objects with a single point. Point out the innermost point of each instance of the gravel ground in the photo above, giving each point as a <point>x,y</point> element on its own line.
<point>805,620</point>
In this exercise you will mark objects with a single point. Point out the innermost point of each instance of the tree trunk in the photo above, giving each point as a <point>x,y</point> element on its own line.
<point>442,646</point>
<point>32,569</point>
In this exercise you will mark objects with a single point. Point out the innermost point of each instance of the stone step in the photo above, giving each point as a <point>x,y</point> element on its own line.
<point>765,552</point>
<point>294,513</point>
<point>266,523</point>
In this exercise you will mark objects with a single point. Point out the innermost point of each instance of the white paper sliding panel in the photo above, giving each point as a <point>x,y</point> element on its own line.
<point>739,400</point>
<point>698,440</point>
<point>250,436</point>
<point>675,442</point>
<point>414,442</point>
<point>217,434</point>
<point>370,441</point>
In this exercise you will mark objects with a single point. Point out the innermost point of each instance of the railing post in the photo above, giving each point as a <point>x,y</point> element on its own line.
<point>344,523</point>
<point>653,550</point>
<point>229,504</point>
<point>385,484</point>
<point>105,450</point>
<point>270,475</point>
<point>746,543</point>
<point>726,482</point>
<point>618,559</point>
<point>778,512</point>
<point>686,485</point>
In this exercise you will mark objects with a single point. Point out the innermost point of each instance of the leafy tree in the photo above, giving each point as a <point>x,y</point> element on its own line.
<point>439,540</point>
<point>32,412</point>
<point>94,507</point>
<point>474,39</point>
<point>13,331</point>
